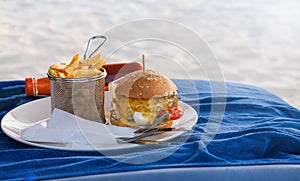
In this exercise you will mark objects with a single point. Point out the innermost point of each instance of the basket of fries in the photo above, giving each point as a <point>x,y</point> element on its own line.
<point>78,87</point>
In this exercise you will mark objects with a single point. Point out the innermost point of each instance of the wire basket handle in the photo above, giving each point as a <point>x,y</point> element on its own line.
<point>89,43</point>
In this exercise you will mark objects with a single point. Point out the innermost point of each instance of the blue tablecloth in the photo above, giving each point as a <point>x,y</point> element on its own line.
<point>256,128</point>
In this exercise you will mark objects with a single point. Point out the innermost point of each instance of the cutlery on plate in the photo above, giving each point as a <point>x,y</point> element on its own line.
<point>162,130</point>
<point>158,120</point>
<point>140,138</point>
<point>151,142</point>
<point>137,137</point>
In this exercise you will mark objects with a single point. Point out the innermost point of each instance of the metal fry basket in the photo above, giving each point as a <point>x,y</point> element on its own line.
<point>83,97</point>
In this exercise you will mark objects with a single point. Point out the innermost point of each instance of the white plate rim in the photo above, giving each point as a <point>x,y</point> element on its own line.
<point>8,127</point>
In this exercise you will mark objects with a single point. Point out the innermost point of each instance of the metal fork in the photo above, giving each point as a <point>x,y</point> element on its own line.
<point>139,136</point>
<point>153,125</point>
<point>145,132</point>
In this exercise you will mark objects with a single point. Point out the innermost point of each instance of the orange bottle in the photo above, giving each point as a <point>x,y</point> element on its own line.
<point>35,87</point>
<point>41,86</point>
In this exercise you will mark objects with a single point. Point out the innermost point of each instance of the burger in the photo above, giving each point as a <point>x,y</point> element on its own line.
<point>140,97</point>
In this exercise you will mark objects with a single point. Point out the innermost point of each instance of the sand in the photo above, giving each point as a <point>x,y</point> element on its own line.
<point>254,42</point>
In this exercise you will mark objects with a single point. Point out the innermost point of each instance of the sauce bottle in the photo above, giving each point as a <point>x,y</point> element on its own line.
<point>41,86</point>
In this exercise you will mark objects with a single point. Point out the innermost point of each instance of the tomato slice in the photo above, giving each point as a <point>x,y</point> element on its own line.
<point>175,113</point>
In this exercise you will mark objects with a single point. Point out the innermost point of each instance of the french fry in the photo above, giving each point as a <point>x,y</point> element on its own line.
<point>53,72</point>
<point>70,75</point>
<point>77,68</point>
<point>92,60</point>
<point>86,73</point>
<point>99,64</point>
<point>61,74</point>
<point>59,67</point>
<point>73,64</point>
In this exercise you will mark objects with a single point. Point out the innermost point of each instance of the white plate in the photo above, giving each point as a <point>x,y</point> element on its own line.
<point>34,112</point>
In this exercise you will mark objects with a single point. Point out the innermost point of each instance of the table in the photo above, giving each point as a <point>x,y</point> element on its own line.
<point>257,137</point>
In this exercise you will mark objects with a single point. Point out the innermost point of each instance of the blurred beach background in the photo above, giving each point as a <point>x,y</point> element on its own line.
<point>256,42</point>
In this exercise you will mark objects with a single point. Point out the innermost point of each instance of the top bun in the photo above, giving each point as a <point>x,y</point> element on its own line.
<point>145,85</point>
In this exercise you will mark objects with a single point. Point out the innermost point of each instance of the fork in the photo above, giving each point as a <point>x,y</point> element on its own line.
<point>145,132</point>
<point>137,137</point>
<point>155,123</point>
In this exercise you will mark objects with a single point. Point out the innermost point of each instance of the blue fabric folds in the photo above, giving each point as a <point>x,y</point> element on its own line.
<point>237,125</point>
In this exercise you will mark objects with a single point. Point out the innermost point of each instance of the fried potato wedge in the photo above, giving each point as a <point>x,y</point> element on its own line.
<point>73,64</point>
<point>92,60</point>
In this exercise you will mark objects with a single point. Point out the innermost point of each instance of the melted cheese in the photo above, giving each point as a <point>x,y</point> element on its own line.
<point>143,111</point>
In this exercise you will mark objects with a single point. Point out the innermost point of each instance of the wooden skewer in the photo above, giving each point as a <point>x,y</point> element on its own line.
<point>143,62</point>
